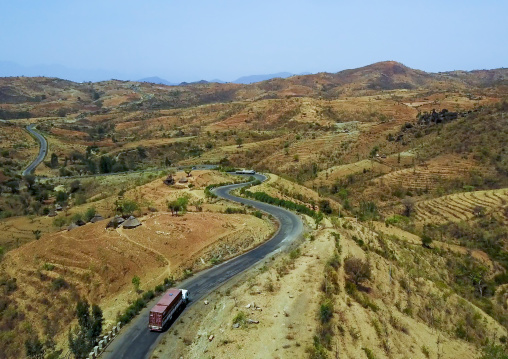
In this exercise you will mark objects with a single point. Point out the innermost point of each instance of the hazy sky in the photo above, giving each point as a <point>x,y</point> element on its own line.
<point>191,40</point>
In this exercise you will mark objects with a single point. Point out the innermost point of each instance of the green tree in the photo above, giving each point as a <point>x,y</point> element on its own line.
<point>59,222</point>
<point>106,164</point>
<point>426,241</point>
<point>239,141</point>
<point>89,214</point>
<point>178,205</point>
<point>34,348</point>
<point>30,181</point>
<point>128,206</point>
<point>53,163</point>
<point>84,337</point>
<point>136,281</point>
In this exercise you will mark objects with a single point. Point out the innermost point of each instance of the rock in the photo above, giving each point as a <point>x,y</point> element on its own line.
<point>236,325</point>
<point>290,296</point>
<point>275,315</point>
<point>206,302</point>
<point>248,305</point>
<point>210,338</point>
<point>252,321</point>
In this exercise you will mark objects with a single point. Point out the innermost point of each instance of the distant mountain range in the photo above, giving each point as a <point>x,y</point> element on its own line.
<point>9,69</point>
<point>245,80</point>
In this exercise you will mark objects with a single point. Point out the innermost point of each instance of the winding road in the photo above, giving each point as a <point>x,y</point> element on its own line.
<point>137,342</point>
<point>43,150</point>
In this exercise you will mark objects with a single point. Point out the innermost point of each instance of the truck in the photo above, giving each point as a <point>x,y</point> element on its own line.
<point>245,172</point>
<point>167,308</point>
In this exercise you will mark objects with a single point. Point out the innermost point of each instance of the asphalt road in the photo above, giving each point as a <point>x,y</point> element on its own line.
<point>137,342</point>
<point>43,150</point>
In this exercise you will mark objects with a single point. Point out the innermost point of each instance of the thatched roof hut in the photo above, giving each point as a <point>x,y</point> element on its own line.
<point>115,222</point>
<point>72,226</point>
<point>131,222</point>
<point>96,218</point>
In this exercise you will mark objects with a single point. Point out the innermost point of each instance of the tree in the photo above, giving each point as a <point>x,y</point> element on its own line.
<point>34,348</point>
<point>84,337</point>
<point>409,205</point>
<point>37,233</point>
<point>188,172</point>
<point>178,205</point>
<point>239,141</point>
<point>75,186</point>
<point>54,160</point>
<point>106,164</point>
<point>324,206</point>
<point>59,222</point>
<point>30,181</point>
<point>357,269</point>
<point>426,241</point>
<point>136,282</point>
<point>89,214</point>
<point>128,206</point>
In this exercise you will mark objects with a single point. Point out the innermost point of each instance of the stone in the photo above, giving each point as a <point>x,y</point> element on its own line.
<point>111,335</point>
<point>210,338</point>
<point>96,350</point>
<point>206,302</point>
<point>91,355</point>
<point>248,305</point>
<point>252,321</point>
<point>119,325</point>
<point>236,325</point>
<point>101,345</point>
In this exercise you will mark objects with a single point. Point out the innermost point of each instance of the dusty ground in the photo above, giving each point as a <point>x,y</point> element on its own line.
<point>98,264</point>
<point>284,294</point>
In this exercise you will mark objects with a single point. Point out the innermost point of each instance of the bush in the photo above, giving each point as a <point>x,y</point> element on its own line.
<point>326,311</point>
<point>59,283</point>
<point>89,214</point>
<point>357,269</point>
<point>240,319</point>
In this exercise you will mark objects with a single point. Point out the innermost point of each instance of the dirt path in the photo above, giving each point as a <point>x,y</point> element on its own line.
<point>163,274</point>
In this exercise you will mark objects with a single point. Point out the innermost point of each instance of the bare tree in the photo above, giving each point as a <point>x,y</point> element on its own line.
<point>357,269</point>
<point>409,205</point>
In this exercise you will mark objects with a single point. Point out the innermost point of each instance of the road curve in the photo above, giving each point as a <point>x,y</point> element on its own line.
<point>137,342</point>
<point>43,150</point>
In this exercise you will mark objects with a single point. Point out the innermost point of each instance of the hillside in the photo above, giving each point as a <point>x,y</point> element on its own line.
<point>400,168</point>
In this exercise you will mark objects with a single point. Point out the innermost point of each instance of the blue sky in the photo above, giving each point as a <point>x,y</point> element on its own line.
<point>189,40</point>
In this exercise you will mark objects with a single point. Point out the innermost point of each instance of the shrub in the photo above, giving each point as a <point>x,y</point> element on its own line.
<point>59,283</point>
<point>326,311</point>
<point>240,319</point>
<point>357,269</point>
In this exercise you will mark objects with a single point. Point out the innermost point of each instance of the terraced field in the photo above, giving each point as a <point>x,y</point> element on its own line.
<point>430,176</point>
<point>461,206</point>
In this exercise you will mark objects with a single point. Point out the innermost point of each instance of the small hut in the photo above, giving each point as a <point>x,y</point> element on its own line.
<point>58,207</point>
<point>131,222</point>
<point>183,180</point>
<point>96,218</point>
<point>169,181</point>
<point>72,226</point>
<point>115,222</point>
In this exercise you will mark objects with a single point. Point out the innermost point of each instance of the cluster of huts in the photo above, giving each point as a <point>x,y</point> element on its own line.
<point>119,221</point>
<point>115,222</point>
<point>80,222</point>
